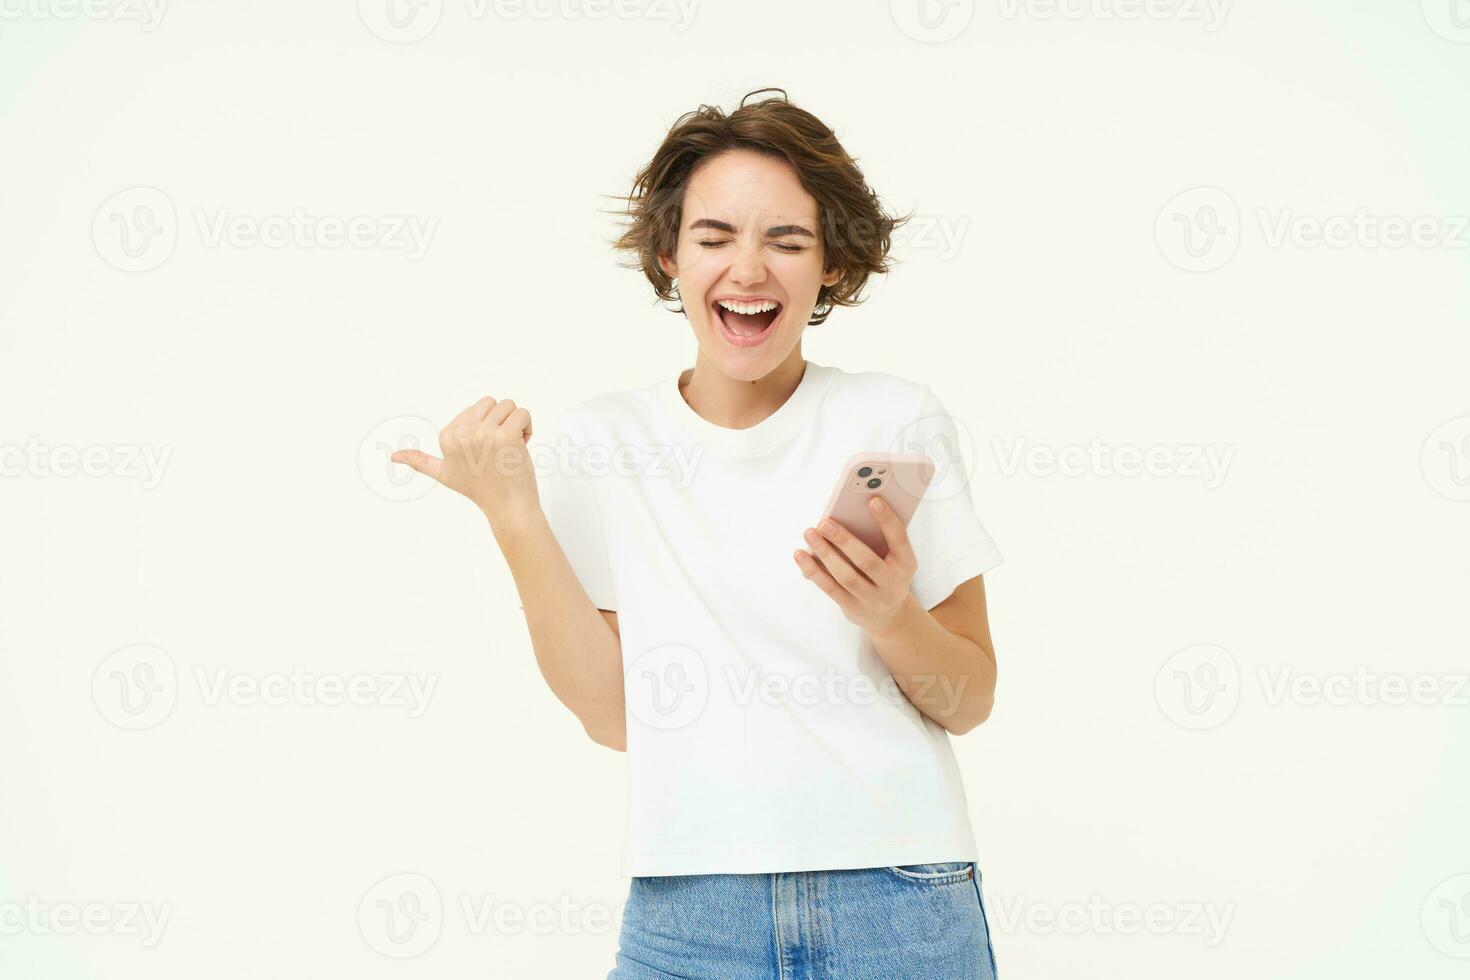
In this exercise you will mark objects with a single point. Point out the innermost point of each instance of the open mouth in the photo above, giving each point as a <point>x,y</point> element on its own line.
<point>747,324</point>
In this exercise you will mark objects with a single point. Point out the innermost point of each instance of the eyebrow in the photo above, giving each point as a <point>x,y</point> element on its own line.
<point>777,231</point>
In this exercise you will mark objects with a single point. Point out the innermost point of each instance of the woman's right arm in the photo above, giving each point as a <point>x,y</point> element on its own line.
<point>577,645</point>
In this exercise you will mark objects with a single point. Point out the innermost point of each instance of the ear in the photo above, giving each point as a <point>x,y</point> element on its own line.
<point>831,277</point>
<point>666,262</point>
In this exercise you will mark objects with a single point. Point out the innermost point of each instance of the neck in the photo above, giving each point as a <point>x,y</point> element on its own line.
<point>734,404</point>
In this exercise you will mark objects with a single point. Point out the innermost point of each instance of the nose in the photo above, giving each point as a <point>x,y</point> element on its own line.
<point>748,265</point>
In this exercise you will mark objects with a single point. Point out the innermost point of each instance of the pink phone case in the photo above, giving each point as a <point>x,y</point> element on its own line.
<point>902,479</point>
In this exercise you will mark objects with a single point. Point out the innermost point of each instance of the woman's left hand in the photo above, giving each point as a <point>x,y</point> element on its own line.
<point>870,591</point>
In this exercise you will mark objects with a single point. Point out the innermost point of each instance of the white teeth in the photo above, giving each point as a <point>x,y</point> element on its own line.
<point>749,308</point>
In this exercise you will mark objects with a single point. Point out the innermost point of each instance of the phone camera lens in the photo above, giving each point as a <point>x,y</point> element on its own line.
<point>874,483</point>
<point>865,471</point>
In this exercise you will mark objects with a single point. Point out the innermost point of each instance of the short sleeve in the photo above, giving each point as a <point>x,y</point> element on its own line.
<point>575,505</point>
<point>950,543</point>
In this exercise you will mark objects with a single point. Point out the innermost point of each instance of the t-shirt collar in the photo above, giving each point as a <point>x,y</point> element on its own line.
<point>770,432</point>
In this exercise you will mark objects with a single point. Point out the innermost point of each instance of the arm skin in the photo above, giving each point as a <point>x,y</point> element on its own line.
<point>942,659</point>
<point>950,644</point>
<point>577,645</point>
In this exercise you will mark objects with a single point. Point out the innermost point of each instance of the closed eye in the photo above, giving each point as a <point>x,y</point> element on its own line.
<point>783,246</point>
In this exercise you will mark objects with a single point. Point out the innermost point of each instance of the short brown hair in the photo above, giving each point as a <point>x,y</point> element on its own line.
<point>856,233</point>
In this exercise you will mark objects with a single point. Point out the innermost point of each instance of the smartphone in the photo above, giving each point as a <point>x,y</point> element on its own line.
<point>899,478</point>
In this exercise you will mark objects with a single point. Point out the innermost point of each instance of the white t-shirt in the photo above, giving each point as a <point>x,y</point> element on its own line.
<point>765,734</point>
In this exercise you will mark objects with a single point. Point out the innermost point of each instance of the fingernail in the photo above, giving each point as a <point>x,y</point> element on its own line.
<point>829,528</point>
<point>876,503</point>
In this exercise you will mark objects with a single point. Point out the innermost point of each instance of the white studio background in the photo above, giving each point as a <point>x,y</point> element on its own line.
<point>1191,273</point>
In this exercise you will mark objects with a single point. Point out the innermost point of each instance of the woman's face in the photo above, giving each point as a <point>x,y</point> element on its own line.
<point>749,261</point>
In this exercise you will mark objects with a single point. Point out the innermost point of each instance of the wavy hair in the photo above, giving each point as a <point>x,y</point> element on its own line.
<point>855,230</point>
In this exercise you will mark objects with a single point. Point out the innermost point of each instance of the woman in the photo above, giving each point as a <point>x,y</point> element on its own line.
<point>795,809</point>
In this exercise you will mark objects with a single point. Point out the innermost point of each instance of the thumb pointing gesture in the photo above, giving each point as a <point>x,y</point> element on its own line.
<point>430,466</point>
<point>485,458</point>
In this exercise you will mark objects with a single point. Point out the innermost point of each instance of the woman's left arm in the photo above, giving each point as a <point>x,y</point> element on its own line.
<point>941,658</point>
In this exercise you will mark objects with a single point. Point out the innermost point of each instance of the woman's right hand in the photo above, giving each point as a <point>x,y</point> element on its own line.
<point>485,458</point>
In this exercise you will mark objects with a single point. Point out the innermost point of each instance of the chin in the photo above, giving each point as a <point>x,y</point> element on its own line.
<point>748,364</point>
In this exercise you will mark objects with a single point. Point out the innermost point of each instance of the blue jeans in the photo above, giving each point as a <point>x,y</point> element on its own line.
<point>919,920</point>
